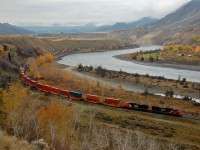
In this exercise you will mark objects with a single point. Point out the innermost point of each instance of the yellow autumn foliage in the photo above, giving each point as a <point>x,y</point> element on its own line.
<point>55,120</point>
<point>197,49</point>
<point>49,58</point>
<point>13,96</point>
<point>46,58</point>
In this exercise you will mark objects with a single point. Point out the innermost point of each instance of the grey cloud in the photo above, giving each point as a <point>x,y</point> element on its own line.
<point>83,11</point>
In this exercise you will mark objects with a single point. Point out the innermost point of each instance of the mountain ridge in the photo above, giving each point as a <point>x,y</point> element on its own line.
<point>89,27</point>
<point>6,28</point>
<point>177,27</point>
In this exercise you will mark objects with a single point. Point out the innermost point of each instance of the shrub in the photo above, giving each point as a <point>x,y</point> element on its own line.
<point>146,92</point>
<point>185,86</point>
<point>169,93</point>
<point>187,98</point>
<point>151,58</point>
<point>184,80</point>
<point>90,67</point>
<point>80,66</point>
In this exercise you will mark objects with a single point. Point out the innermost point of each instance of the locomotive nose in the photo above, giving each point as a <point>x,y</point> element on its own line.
<point>127,105</point>
<point>178,112</point>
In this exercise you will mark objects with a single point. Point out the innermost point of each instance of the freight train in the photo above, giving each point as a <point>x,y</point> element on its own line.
<point>96,99</point>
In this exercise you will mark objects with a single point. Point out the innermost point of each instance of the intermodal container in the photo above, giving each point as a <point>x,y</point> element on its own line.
<point>46,88</point>
<point>39,86</point>
<point>75,95</point>
<point>65,93</point>
<point>32,83</point>
<point>28,80</point>
<point>55,90</point>
<point>112,102</point>
<point>92,98</point>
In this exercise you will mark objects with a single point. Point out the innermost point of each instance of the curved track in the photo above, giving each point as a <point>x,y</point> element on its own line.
<point>110,102</point>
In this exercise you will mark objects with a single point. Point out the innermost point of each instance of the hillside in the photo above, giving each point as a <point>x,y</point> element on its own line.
<point>6,28</point>
<point>188,15</point>
<point>16,49</point>
<point>178,27</point>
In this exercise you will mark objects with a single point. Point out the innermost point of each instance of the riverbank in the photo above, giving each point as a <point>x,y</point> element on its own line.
<point>139,83</point>
<point>64,53</point>
<point>159,64</point>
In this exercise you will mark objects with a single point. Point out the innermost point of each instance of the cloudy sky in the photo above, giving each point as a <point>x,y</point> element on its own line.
<point>79,12</point>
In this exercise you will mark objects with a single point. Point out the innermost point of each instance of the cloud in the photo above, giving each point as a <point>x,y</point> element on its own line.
<point>78,12</point>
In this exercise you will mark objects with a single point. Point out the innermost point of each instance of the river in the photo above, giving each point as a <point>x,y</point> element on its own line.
<point>107,61</point>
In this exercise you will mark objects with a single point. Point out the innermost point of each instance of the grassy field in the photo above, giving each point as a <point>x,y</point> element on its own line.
<point>164,128</point>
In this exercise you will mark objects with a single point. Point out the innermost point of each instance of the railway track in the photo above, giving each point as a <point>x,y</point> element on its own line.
<point>63,98</point>
<point>131,107</point>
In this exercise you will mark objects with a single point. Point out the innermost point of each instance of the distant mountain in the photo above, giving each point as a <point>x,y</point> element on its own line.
<point>6,28</point>
<point>59,29</point>
<point>177,27</point>
<point>189,14</point>
<point>88,27</point>
<point>122,25</point>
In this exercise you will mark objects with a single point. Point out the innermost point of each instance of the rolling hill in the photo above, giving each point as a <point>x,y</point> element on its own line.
<point>6,28</point>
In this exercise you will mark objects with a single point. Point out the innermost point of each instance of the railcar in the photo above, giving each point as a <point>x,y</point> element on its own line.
<point>65,93</point>
<point>92,98</point>
<point>32,83</point>
<point>46,88</point>
<point>75,95</point>
<point>54,90</point>
<point>39,86</point>
<point>112,102</point>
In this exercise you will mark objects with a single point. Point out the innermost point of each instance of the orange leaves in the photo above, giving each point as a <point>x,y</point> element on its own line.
<point>119,89</point>
<point>49,58</point>
<point>197,49</point>
<point>188,48</point>
<point>52,113</point>
<point>36,65</point>
<point>46,58</point>
<point>1,49</point>
<point>55,121</point>
<point>131,56</point>
<point>41,61</point>
<point>13,97</point>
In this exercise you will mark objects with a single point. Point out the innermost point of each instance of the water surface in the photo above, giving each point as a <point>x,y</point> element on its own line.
<point>107,61</point>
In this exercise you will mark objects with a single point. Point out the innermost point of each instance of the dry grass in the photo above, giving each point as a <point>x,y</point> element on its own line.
<point>163,128</point>
<point>12,143</point>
